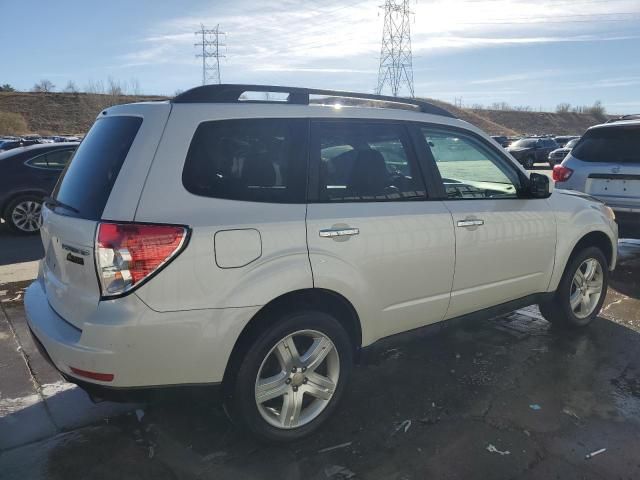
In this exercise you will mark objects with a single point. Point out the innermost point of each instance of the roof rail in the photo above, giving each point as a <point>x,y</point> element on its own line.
<point>632,116</point>
<point>231,93</point>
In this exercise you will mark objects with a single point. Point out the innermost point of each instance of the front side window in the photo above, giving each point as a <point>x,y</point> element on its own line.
<point>364,162</point>
<point>470,169</point>
<point>260,160</point>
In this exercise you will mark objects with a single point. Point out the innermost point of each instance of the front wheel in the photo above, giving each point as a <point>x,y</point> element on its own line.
<point>292,376</point>
<point>528,163</point>
<point>581,291</point>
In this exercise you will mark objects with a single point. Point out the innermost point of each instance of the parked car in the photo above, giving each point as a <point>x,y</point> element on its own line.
<point>605,163</point>
<point>502,140</point>
<point>27,175</point>
<point>260,246</point>
<point>558,154</point>
<point>562,140</point>
<point>529,151</point>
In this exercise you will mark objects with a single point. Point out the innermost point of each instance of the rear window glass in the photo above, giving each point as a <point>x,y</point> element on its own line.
<point>260,160</point>
<point>609,144</point>
<point>88,179</point>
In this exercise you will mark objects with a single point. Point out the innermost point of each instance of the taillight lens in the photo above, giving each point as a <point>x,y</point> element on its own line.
<point>561,173</point>
<point>126,253</point>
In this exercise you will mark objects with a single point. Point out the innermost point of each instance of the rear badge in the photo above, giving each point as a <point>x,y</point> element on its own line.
<point>73,259</point>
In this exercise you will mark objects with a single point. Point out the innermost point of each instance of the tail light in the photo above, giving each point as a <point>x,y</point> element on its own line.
<point>128,254</point>
<point>561,173</point>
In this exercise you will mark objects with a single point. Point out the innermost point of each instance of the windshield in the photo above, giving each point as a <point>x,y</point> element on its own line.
<point>525,143</point>
<point>609,144</point>
<point>572,143</point>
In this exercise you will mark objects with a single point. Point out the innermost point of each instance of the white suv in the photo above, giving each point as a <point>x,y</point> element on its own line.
<point>260,244</point>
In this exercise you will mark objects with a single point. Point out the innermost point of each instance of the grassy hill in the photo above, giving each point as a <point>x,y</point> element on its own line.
<point>73,113</point>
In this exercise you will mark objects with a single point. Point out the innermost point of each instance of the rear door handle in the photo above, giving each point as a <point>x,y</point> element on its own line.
<point>339,232</point>
<point>470,222</point>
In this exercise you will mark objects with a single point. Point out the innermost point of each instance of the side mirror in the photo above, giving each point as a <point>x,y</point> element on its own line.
<point>539,186</point>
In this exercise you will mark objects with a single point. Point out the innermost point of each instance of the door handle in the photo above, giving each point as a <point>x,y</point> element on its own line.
<point>339,232</point>
<point>470,222</point>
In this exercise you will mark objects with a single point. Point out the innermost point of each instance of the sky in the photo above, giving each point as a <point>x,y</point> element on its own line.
<point>524,52</point>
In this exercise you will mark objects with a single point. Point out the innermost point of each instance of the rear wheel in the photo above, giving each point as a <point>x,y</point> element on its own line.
<point>23,214</point>
<point>292,376</point>
<point>581,292</point>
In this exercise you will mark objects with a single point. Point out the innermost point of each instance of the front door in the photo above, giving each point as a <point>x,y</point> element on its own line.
<point>373,233</point>
<point>505,243</point>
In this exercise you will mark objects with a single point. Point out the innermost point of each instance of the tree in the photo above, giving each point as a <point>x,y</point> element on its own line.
<point>563,108</point>
<point>43,86</point>
<point>71,87</point>
<point>7,88</point>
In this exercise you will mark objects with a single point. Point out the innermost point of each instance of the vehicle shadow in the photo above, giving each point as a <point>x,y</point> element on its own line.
<point>625,278</point>
<point>18,248</point>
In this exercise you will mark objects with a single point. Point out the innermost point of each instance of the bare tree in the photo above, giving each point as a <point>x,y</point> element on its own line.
<point>43,86</point>
<point>95,87</point>
<point>563,108</point>
<point>114,87</point>
<point>71,87</point>
<point>136,90</point>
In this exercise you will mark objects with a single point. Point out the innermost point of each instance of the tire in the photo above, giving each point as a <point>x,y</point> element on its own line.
<point>559,310</point>
<point>528,163</point>
<point>309,386</point>
<point>23,214</point>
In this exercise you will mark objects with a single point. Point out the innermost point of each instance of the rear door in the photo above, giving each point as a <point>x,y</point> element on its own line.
<point>69,224</point>
<point>373,233</point>
<point>505,244</point>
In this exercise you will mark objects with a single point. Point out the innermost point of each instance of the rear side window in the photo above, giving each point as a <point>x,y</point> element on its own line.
<point>55,160</point>
<point>609,145</point>
<point>259,160</point>
<point>87,181</point>
<point>360,162</point>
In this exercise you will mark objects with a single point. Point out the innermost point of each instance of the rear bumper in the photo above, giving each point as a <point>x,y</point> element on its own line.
<point>140,347</point>
<point>628,221</point>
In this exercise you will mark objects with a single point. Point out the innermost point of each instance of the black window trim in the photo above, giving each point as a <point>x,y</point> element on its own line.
<point>313,183</point>
<point>48,168</point>
<point>434,173</point>
<point>301,143</point>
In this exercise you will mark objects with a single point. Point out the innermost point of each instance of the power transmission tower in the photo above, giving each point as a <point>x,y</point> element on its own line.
<point>396,66</point>
<point>210,44</point>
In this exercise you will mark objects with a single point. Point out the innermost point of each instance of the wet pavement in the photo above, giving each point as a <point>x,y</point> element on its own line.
<point>509,397</point>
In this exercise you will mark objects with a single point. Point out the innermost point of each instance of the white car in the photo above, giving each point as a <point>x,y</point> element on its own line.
<point>261,244</point>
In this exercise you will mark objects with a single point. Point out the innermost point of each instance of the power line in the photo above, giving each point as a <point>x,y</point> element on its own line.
<point>396,64</point>
<point>210,44</point>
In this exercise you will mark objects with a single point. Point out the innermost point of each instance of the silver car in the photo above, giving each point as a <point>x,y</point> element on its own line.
<point>605,163</point>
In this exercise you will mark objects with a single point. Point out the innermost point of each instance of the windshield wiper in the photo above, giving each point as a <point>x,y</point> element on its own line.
<point>57,203</point>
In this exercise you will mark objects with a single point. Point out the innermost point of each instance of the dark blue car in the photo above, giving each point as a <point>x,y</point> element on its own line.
<point>27,175</point>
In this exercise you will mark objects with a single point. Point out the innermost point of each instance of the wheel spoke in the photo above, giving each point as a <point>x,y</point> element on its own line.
<point>319,386</point>
<point>287,354</point>
<point>585,303</point>
<point>270,388</point>
<point>594,287</point>
<point>291,408</point>
<point>575,300</point>
<point>579,277</point>
<point>590,270</point>
<point>318,351</point>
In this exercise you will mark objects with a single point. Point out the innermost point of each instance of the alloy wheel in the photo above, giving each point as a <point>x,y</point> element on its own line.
<point>586,288</point>
<point>26,216</point>
<point>297,379</point>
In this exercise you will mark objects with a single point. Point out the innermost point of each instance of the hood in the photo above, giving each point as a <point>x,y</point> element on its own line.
<point>575,193</point>
<point>561,150</point>
<point>518,149</point>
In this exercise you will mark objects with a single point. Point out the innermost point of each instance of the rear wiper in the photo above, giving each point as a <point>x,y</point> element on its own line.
<point>57,203</point>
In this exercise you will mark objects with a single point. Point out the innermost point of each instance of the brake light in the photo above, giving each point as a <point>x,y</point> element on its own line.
<point>127,254</point>
<point>561,173</point>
